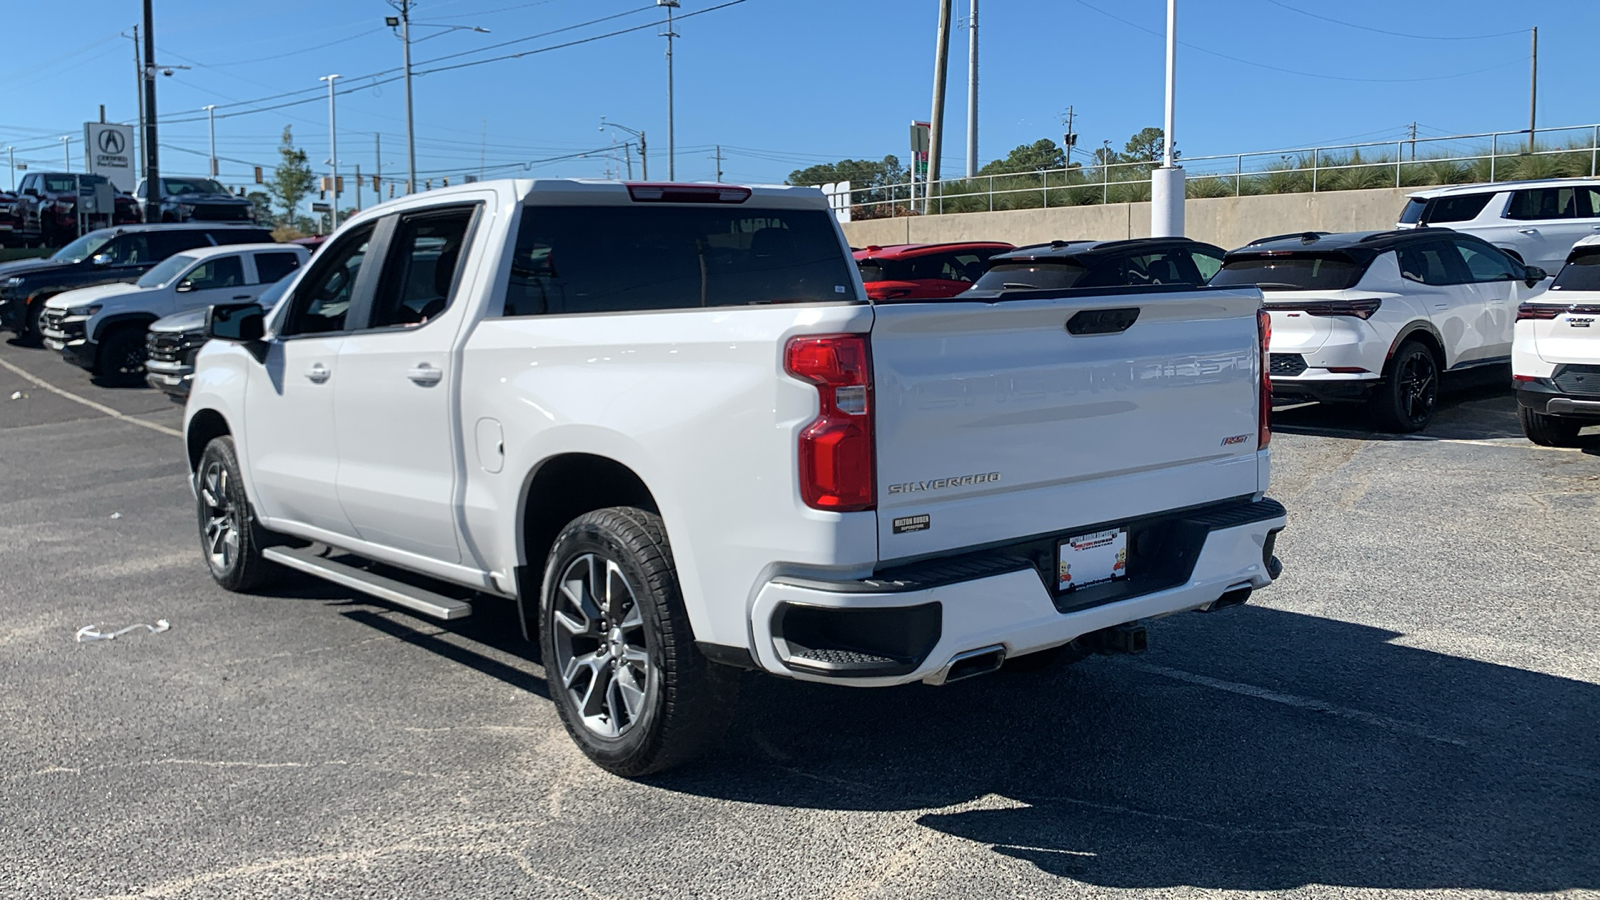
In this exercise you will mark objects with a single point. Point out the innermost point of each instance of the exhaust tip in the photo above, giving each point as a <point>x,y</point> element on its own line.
<point>1232,597</point>
<point>970,664</point>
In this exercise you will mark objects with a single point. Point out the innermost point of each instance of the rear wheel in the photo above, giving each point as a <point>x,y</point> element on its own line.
<point>632,689</point>
<point>121,357</point>
<point>230,539</point>
<point>1548,431</point>
<point>1408,395</point>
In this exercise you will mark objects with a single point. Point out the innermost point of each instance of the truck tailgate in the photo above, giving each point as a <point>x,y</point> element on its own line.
<point>996,422</point>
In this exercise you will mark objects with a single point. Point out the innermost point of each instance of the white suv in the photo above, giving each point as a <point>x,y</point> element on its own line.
<point>1535,221</point>
<point>1378,316</point>
<point>1555,361</point>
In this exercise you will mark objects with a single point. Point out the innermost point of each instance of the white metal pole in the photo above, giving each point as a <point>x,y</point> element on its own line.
<point>972,94</point>
<point>1172,82</point>
<point>211,125</point>
<point>672,146</point>
<point>411,139</point>
<point>1167,183</point>
<point>333,151</point>
<point>66,150</point>
<point>13,152</point>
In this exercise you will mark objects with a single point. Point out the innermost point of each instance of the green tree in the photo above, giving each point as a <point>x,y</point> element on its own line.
<point>292,181</point>
<point>261,205</point>
<point>1038,156</point>
<point>1146,146</point>
<point>861,173</point>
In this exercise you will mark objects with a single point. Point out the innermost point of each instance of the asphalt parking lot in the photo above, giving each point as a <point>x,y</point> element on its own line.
<point>1413,708</point>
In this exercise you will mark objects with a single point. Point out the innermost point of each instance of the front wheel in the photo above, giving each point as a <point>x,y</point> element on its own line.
<point>1408,395</point>
<point>632,689</point>
<point>121,357</point>
<point>1548,431</point>
<point>229,536</point>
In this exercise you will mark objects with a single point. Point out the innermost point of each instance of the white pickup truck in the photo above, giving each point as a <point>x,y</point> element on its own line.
<point>666,421</point>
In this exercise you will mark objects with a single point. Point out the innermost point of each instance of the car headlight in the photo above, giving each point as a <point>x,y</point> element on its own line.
<point>85,311</point>
<point>14,281</point>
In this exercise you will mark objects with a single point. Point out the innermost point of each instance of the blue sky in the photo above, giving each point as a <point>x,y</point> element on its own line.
<point>783,84</point>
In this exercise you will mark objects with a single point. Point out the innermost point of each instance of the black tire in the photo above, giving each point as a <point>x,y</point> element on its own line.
<point>1408,396</point>
<point>1065,655</point>
<point>686,700</point>
<point>121,356</point>
<point>32,333</point>
<point>230,538</point>
<point>1548,431</point>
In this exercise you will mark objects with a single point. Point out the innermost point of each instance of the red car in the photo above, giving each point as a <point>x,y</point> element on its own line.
<point>924,271</point>
<point>46,210</point>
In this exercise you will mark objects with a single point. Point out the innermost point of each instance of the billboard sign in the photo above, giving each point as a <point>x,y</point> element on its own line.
<point>109,152</point>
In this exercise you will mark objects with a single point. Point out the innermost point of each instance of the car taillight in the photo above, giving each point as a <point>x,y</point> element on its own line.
<point>1264,415</point>
<point>836,452</point>
<point>687,193</point>
<point>1360,309</point>
<point>1530,311</point>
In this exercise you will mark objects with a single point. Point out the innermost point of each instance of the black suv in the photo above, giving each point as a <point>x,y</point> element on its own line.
<point>46,208</point>
<point>103,257</point>
<point>198,200</point>
<point>1171,262</point>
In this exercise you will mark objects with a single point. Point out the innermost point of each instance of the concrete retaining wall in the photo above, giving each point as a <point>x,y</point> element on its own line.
<point>1227,222</point>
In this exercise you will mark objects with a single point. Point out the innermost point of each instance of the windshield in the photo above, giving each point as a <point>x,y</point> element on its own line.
<point>84,247</point>
<point>1290,273</point>
<point>1582,274</point>
<point>177,187</point>
<point>1032,275</point>
<point>169,269</point>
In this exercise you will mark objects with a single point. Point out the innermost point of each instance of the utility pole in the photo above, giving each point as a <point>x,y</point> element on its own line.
<point>152,144</point>
<point>138,90</point>
<point>719,163</point>
<point>333,152</point>
<point>627,156</point>
<point>941,66</point>
<point>411,134</point>
<point>972,93</point>
<point>377,175</point>
<point>672,146</point>
<point>211,126</point>
<point>358,187</point>
<point>1070,139</point>
<point>12,151</point>
<point>1167,183</point>
<point>1413,142</point>
<point>66,150</point>
<point>483,148</point>
<point>1533,90</point>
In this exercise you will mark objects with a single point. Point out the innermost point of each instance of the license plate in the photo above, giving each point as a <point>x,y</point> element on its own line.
<point>1094,558</point>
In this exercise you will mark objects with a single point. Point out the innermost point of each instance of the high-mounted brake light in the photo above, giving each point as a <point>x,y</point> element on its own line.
<point>1360,309</point>
<point>1264,412</point>
<point>836,449</point>
<point>664,192</point>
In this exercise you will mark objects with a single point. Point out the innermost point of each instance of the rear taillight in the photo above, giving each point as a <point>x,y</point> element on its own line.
<point>1264,415</point>
<point>836,462</point>
<point>1360,309</point>
<point>1531,311</point>
<point>687,193</point>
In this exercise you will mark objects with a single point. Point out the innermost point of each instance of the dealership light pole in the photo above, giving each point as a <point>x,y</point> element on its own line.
<point>1167,182</point>
<point>211,126</point>
<point>972,94</point>
<point>333,148</point>
<point>12,151</point>
<point>672,145</point>
<point>644,157</point>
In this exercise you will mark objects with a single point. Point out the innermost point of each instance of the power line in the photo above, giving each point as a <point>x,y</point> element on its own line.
<point>1259,65</point>
<point>534,37</point>
<point>1401,34</point>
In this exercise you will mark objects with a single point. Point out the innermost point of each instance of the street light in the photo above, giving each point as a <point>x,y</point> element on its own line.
<point>66,149</point>
<point>644,160</point>
<point>333,148</point>
<point>672,146</point>
<point>211,126</point>
<point>404,23</point>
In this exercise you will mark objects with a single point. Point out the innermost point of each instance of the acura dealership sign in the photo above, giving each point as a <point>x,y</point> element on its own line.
<point>109,149</point>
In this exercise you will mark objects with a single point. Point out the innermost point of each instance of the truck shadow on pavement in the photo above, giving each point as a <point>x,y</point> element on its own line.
<point>1253,750</point>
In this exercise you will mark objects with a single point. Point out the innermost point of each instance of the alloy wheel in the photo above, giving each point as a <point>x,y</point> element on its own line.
<point>601,655</point>
<point>1419,387</point>
<point>222,525</point>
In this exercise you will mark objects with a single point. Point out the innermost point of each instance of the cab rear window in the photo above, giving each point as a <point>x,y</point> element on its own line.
<point>593,259</point>
<point>1030,276</point>
<point>1581,274</point>
<point>1291,273</point>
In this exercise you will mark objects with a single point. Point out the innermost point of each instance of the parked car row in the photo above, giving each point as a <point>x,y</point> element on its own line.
<point>1370,317</point>
<point>44,211</point>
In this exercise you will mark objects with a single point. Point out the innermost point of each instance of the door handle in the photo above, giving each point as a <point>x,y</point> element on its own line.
<point>241,296</point>
<point>424,374</point>
<point>318,373</point>
<point>1527,231</point>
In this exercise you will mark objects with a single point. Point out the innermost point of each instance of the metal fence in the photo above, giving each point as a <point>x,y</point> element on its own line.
<point>1413,162</point>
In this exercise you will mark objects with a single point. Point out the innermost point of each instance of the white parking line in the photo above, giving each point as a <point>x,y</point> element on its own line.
<point>97,407</point>
<point>1261,693</point>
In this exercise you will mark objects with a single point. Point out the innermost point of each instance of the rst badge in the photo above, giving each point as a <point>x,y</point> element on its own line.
<point>1235,439</point>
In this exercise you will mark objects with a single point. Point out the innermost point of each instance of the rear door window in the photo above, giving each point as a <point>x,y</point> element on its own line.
<point>1536,204</point>
<point>1030,275</point>
<point>1434,262</point>
<point>273,266</point>
<point>1457,208</point>
<point>592,259</point>
<point>1298,272</point>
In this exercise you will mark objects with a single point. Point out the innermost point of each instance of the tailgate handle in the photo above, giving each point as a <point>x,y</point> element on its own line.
<point>1103,321</point>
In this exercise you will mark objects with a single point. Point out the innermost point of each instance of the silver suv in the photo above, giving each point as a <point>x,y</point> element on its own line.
<point>1536,221</point>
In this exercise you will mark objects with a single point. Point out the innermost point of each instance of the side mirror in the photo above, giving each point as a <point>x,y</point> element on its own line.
<point>31,192</point>
<point>1534,275</point>
<point>184,287</point>
<point>242,323</point>
<point>100,259</point>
